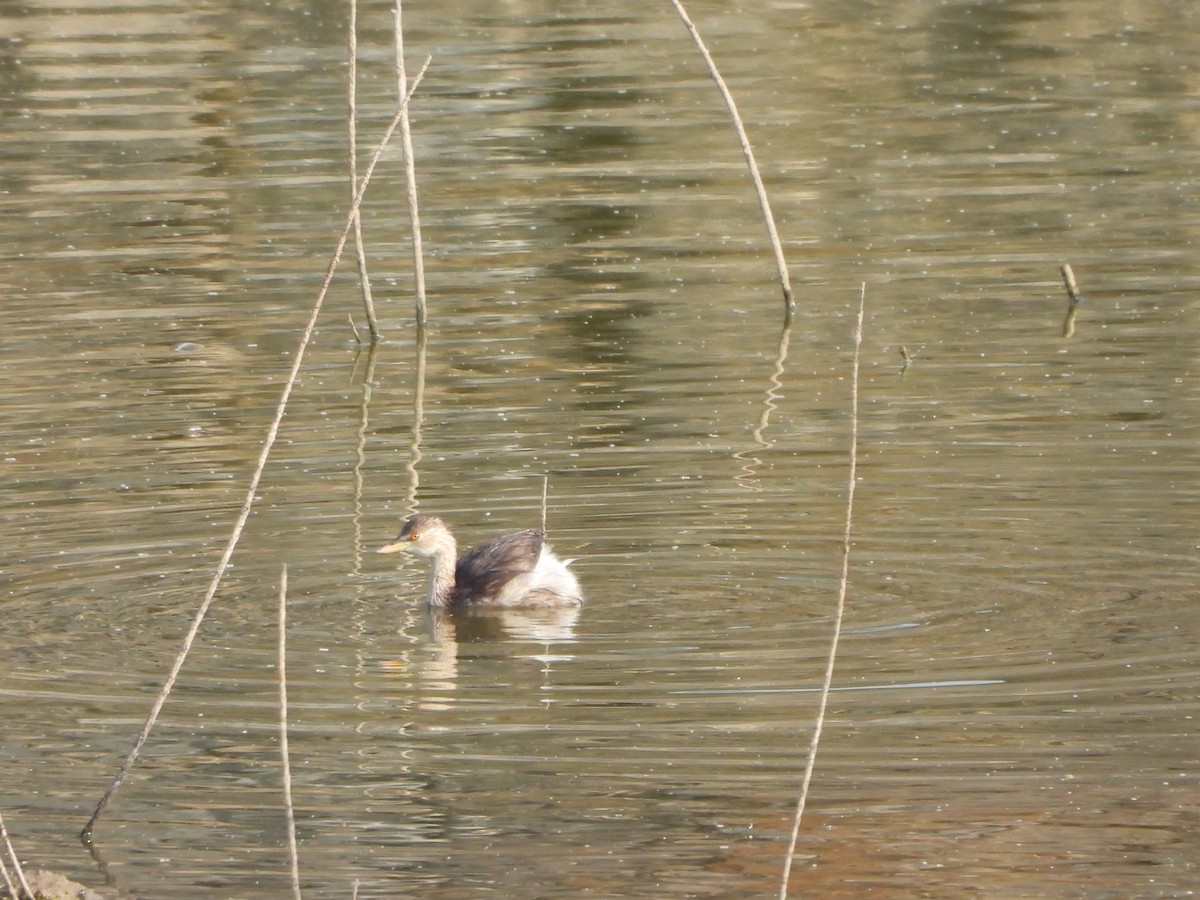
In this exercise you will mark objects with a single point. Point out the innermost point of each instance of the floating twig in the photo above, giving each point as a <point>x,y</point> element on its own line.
<point>293,855</point>
<point>410,171</point>
<point>843,582</point>
<point>1074,299</point>
<point>907,357</point>
<point>255,478</point>
<point>764,204</point>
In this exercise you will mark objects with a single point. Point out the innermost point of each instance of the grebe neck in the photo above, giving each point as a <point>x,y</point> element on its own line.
<point>441,575</point>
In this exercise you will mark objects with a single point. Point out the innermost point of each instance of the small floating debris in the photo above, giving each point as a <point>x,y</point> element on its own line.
<point>1075,299</point>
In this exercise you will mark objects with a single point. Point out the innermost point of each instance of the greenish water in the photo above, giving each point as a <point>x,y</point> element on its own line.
<point>1016,703</point>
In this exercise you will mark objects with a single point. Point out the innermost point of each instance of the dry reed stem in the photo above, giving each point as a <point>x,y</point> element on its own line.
<point>293,855</point>
<point>16,862</point>
<point>841,603</point>
<point>255,478</point>
<point>8,882</point>
<point>764,204</point>
<point>410,172</point>
<point>352,127</point>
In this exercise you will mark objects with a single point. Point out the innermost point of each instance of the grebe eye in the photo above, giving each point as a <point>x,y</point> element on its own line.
<point>413,536</point>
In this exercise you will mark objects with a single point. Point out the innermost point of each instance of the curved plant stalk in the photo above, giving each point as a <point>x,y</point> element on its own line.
<point>286,763</point>
<point>255,478</point>
<point>823,705</point>
<point>789,301</point>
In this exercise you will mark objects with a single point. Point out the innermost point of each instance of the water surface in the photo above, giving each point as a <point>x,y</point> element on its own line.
<point>1015,694</point>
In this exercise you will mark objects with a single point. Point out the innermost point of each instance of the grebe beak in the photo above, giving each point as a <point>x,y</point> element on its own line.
<point>395,546</point>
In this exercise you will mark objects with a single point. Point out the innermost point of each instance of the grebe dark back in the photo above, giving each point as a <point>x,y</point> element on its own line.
<point>516,569</point>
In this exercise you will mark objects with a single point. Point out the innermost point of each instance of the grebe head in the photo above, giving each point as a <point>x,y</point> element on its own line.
<point>425,536</point>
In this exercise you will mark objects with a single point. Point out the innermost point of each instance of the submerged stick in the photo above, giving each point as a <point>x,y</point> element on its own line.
<point>293,855</point>
<point>823,704</point>
<point>1074,299</point>
<point>410,171</point>
<point>352,127</point>
<point>765,204</point>
<point>255,478</point>
<point>16,862</point>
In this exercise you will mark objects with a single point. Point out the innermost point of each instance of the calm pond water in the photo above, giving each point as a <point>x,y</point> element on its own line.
<point>1016,691</point>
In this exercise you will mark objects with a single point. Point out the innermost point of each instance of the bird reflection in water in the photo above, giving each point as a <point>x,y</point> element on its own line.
<point>511,589</point>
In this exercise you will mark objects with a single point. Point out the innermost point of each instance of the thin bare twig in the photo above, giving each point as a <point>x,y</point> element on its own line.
<point>410,171</point>
<point>352,127</point>
<point>841,603</point>
<point>255,478</point>
<point>293,854</point>
<point>765,204</point>
<point>9,884</point>
<point>16,862</point>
